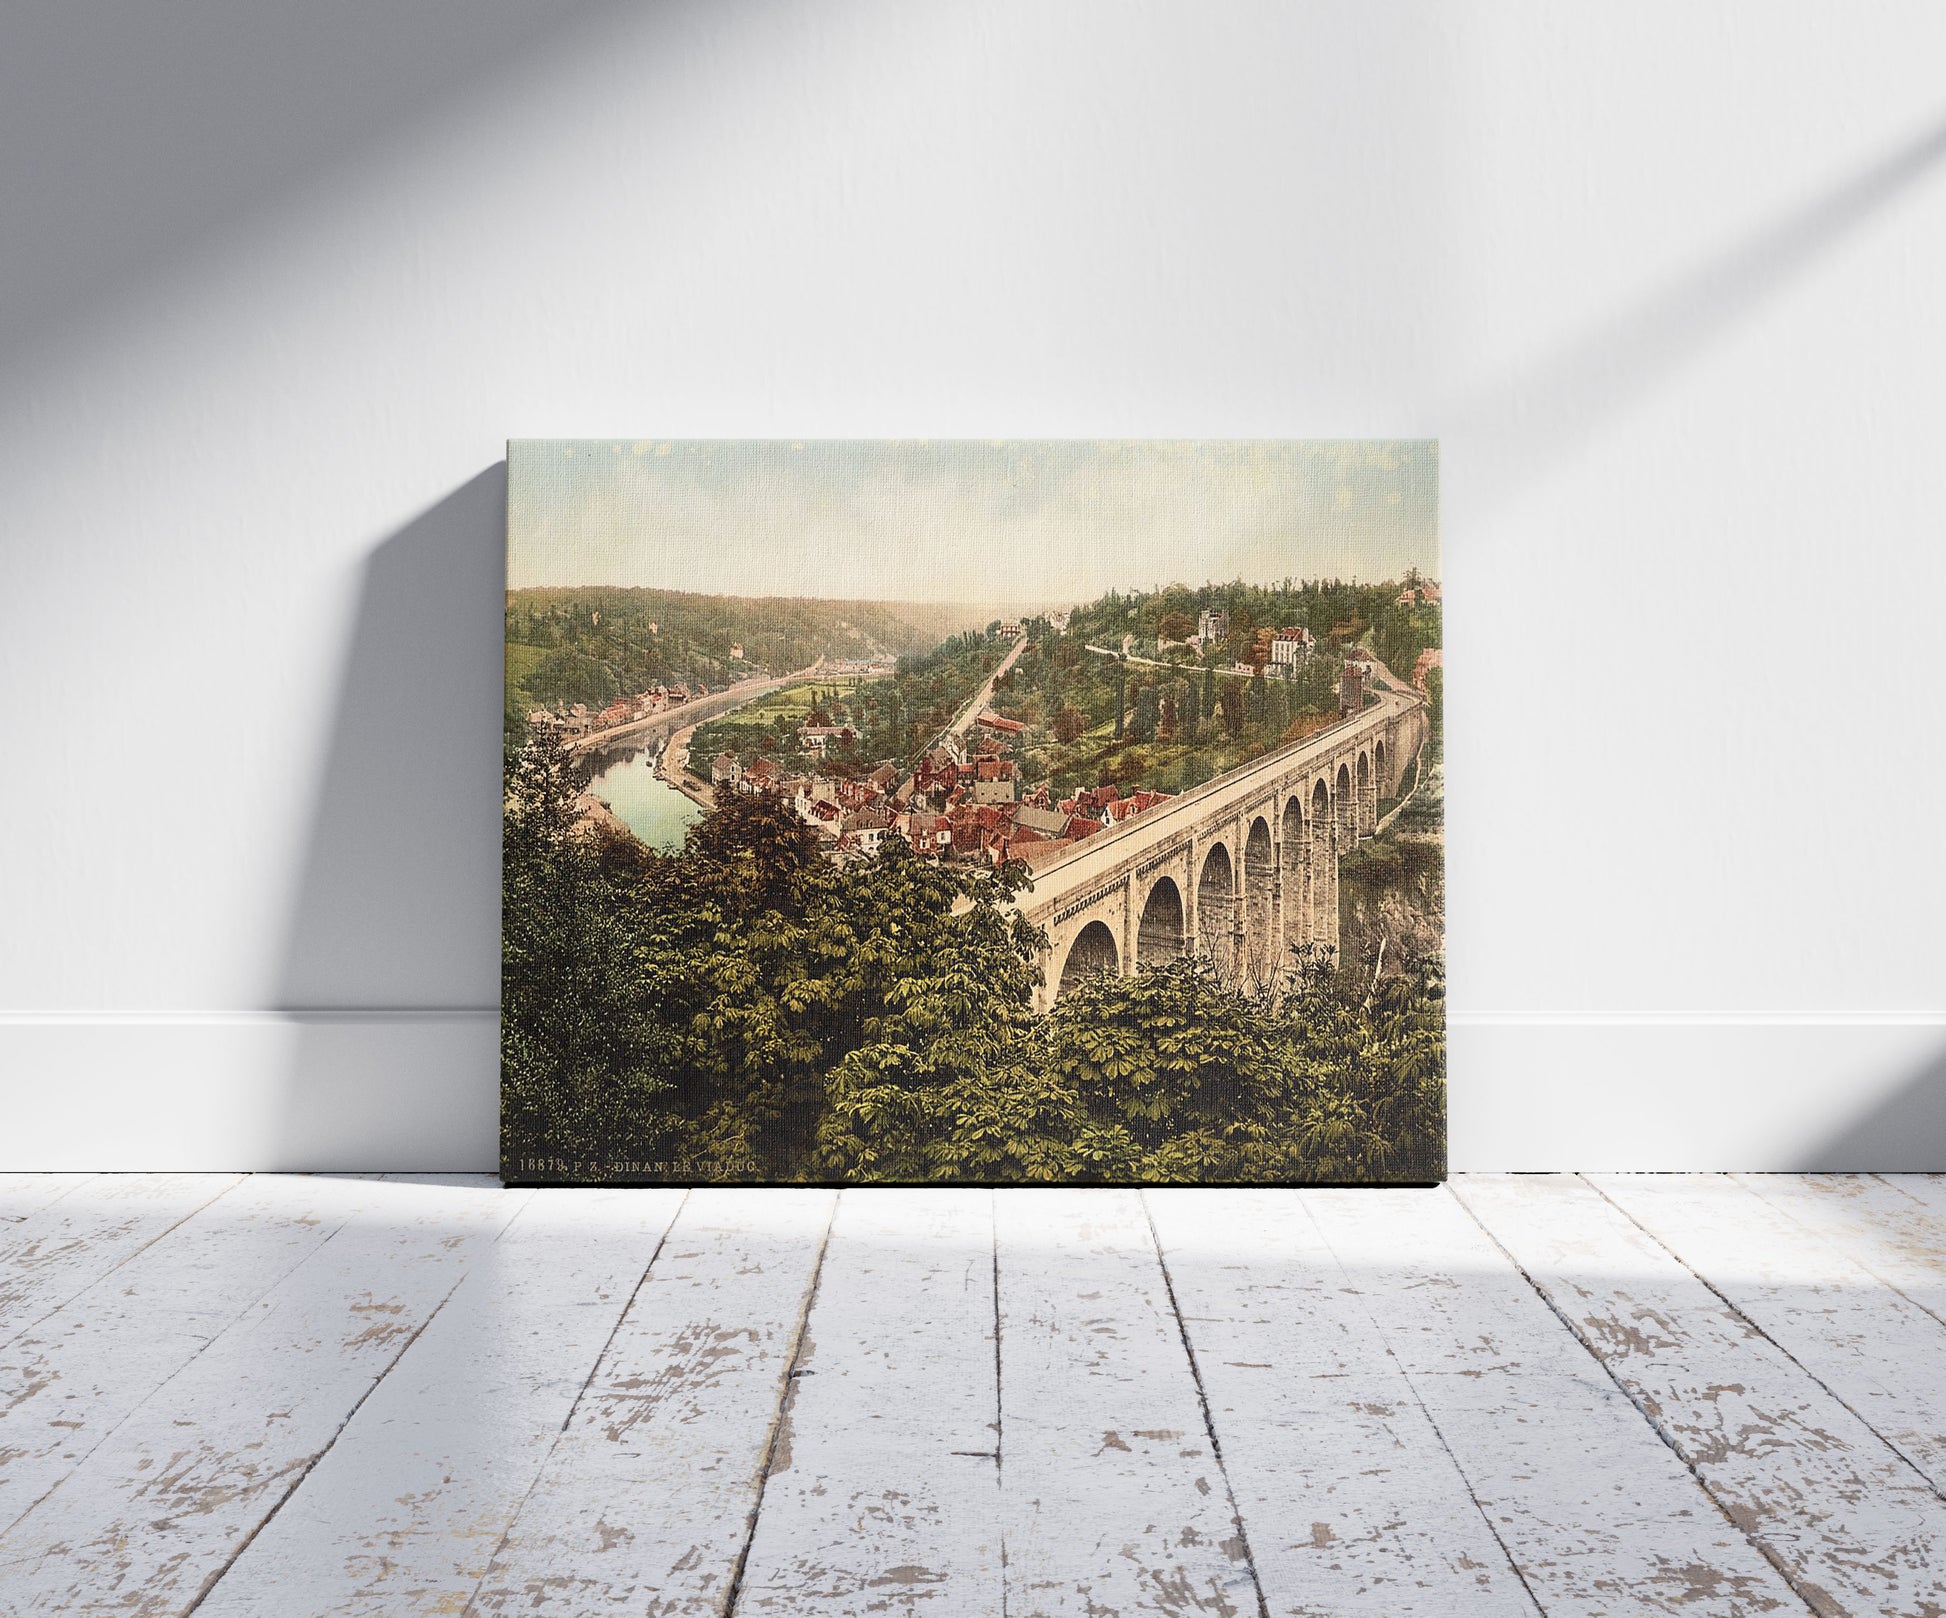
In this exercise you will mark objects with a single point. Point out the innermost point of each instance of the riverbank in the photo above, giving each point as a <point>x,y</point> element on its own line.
<point>689,714</point>
<point>593,812</point>
<point>673,768</point>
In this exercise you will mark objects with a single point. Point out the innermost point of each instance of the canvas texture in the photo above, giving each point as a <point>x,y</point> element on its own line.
<point>1044,812</point>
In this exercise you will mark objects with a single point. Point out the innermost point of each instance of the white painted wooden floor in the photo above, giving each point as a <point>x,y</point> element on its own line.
<point>1565,1395</point>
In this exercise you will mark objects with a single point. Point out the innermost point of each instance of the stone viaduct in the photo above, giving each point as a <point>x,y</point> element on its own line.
<point>1239,869</point>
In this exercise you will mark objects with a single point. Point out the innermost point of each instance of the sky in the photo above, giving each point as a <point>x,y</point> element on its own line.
<point>1031,523</point>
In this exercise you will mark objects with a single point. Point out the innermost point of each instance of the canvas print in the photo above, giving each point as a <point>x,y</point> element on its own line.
<point>980,812</point>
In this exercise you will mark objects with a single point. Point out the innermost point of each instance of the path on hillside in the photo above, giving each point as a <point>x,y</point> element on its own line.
<point>971,711</point>
<point>965,718</point>
<point>1158,663</point>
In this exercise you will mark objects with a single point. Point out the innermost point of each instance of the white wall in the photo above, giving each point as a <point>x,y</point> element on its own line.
<point>278,282</point>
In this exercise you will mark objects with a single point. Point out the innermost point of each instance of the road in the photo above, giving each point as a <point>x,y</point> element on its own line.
<point>691,714</point>
<point>967,715</point>
<point>1158,663</point>
<point>984,695</point>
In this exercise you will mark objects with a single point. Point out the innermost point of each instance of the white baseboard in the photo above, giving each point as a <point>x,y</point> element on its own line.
<point>250,1090</point>
<point>416,1090</point>
<point>1756,1092</point>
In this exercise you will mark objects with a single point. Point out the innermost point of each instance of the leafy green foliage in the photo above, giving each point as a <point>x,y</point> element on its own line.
<point>1229,702</point>
<point>585,1055</point>
<point>748,1009</point>
<point>1205,1080</point>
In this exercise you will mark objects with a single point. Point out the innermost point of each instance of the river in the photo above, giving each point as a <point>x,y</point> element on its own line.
<point>645,803</point>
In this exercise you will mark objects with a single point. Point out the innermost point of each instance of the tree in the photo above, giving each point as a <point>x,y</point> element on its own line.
<point>1175,626</point>
<point>1068,723</point>
<point>1168,724</point>
<point>1280,707</point>
<point>1192,713</point>
<point>1230,699</point>
<point>585,1056</point>
<point>568,677</point>
<point>1121,697</point>
<point>1142,724</point>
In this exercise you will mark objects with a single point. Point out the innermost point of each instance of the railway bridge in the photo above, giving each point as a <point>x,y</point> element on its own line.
<point>1239,869</point>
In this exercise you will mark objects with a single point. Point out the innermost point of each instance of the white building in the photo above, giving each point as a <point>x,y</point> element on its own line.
<point>864,829</point>
<point>1291,646</point>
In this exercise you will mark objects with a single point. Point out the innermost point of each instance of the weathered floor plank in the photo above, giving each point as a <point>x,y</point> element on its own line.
<point>1847,1518</point>
<point>1598,1515</point>
<point>23,1194</point>
<point>1113,1499</point>
<point>1350,1500</point>
<point>327,1396</point>
<point>1875,1350</point>
<point>1894,1224</point>
<point>1928,1189</point>
<point>404,1512</point>
<point>72,1378</point>
<point>60,1249</point>
<point>645,1504</point>
<point>149,1520</point>
<point>884,1492</point>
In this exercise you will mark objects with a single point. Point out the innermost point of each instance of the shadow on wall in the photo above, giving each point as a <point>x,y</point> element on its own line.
<point>391,963</point>
<point>134,139</point>
<point>1905,1133</point>
<point>1550,409</point>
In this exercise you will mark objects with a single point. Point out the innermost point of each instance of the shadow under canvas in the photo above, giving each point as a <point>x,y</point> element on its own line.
<point>391,965</point>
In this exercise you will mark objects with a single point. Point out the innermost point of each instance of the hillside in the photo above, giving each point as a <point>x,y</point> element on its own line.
<point>1182,710</point>
<point>595,643</point>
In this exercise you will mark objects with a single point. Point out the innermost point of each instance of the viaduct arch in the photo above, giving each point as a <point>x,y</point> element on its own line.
<point>1094,950</point>
<point>1241,869</point>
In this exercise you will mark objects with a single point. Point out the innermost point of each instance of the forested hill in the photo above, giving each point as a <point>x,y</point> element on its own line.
<point>1336,611</point>
<point>595,643</point>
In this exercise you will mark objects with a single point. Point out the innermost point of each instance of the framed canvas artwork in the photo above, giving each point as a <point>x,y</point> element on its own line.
<point>981,812</point>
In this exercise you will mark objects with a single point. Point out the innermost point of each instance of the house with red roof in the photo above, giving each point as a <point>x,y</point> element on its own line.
<point>927,832</point>
<point>1037,855</point>
<point>994,780</point>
